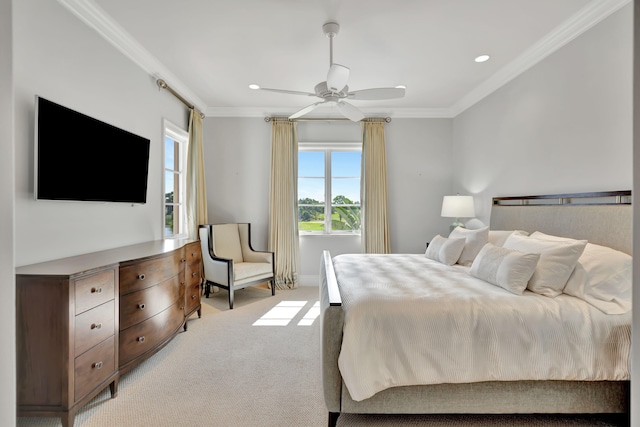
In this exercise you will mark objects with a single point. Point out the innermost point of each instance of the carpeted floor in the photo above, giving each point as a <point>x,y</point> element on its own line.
<point>226,372</point>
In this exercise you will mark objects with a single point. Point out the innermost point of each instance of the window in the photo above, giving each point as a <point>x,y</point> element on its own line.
<point>175,154</point>
<point>329,188</point>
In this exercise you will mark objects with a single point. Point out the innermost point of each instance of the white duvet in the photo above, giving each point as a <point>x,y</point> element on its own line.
<point>410,321</point>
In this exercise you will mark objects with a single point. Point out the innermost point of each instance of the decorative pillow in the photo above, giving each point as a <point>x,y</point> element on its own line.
<point>446,251</point>
<point>507,268</point>
<point>474,241</point>
<point>557,261</point>
<point>602,278</point>
<point>543,236</point>
<point>498,237</point>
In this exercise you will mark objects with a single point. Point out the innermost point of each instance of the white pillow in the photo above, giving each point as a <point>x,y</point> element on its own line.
<point>507,268</point>
<point>474,241</point>
<point>446,251</point>
<point>498,237</point>
<point>602,278</point>
<point>557,261</point>
<point>542,236</point>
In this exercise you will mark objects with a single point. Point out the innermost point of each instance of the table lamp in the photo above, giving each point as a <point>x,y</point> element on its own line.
<point>457,207</point>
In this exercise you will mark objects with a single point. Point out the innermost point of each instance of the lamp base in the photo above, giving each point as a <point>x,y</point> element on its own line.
<point>456,223</point>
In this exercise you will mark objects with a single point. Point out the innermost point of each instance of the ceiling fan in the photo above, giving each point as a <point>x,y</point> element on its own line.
<point>335,90</point>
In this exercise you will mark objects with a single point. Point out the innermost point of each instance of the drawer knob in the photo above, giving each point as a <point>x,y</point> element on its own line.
<point>141,306</point>
<point>194,254</point>
<point>141,339</point>
<point>194,274</point>
<point>141,276</point>
<point>97,365</point>
<point>96,290</point>
<point>96,326</point>
<point>194,296</point>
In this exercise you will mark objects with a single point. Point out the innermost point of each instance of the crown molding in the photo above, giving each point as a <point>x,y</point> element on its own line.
<point>590,15</point>
<point>98,20</point>
<point>396,113</point>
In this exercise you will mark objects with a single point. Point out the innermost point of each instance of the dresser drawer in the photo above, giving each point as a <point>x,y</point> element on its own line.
<point>94,290</point>
<point>193,252</point>
<point>193,297</point>
<point>148,273</point>
<point>145,336</point>
<point>94,366</point>
<point>139,306</point>
<point>94,326</point>
<point>193,275</point>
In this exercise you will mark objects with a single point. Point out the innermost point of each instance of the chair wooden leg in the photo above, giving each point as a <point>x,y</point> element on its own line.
<point>207,290</point>
<point>230,298</point>
<point>333,418</point>
<point>273,286</point>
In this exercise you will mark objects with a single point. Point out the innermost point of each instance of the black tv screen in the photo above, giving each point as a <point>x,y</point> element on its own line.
<point>80,158</point>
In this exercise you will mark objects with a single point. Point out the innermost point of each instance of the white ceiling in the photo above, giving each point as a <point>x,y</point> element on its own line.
<point>211,50</point>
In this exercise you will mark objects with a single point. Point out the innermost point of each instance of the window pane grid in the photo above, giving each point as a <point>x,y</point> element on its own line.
<point>174,153</point>
<point>339,213</point>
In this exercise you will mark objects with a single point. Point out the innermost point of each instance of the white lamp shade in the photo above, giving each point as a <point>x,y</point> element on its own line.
<point>458,207</point>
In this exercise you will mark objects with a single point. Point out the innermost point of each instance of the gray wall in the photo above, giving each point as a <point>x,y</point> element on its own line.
<point>237,163</point>
<point>69,63</point>
<point>7,278</point>
<point>562,126</point>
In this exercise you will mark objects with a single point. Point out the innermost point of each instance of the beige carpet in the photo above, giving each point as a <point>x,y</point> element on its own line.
<point>225,372</point>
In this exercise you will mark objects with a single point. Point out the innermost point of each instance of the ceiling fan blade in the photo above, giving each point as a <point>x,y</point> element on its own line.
<point>305,110</point>
<point>376,94</point>
<point>337,77</point>
<point>350,112</point>
<point>290,92</point>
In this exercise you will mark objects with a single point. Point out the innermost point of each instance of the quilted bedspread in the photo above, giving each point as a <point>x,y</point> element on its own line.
<point>411,321</point>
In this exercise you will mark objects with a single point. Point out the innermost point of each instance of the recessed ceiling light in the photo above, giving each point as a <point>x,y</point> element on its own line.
<point>254,86</point>
<point>401,87</point>
<point>482,58</point>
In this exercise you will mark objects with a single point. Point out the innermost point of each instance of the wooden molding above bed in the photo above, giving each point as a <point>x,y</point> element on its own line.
<point>595,198</point>
<point>603,218</point>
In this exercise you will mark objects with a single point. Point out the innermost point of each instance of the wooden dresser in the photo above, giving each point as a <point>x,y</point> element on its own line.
<point>83,321</point>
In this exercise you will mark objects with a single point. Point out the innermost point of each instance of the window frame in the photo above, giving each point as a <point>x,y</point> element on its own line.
<point>181,137</point>
<point>328,148</point>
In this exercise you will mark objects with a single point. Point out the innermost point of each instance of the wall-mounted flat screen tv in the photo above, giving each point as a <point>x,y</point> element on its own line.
<point>80,158</point>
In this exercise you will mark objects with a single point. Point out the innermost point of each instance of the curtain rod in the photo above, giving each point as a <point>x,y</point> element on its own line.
<point>163,85</point>
<point>318,119</point>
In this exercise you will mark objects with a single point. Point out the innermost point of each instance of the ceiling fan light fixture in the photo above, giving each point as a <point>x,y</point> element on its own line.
<point>337,77</point>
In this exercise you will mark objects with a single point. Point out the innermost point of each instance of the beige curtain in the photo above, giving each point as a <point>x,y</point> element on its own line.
<point>283,206</point>
<point>196,203</point>
<point>375,215</point>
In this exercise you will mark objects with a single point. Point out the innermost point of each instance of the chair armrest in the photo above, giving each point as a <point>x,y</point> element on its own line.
<point>258,256</point>
<point>216,269</point>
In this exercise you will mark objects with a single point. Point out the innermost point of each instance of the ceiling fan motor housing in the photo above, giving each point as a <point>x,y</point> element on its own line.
<point>323,91</point>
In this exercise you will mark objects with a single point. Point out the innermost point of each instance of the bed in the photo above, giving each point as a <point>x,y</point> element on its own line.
<point>354,384</point>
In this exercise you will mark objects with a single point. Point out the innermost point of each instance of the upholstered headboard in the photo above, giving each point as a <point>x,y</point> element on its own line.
<point>603,218</point>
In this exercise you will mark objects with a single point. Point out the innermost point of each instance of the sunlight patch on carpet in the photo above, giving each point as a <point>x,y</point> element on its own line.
<point>284,312</point>
<point>311,315</point>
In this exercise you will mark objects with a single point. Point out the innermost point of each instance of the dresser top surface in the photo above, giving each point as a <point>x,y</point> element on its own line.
<point>96,260</point>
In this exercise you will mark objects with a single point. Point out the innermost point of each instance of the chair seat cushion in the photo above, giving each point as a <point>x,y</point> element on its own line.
<point>248,270</point>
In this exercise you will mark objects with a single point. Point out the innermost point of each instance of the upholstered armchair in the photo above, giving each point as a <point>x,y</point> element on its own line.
<point>229,260</point>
